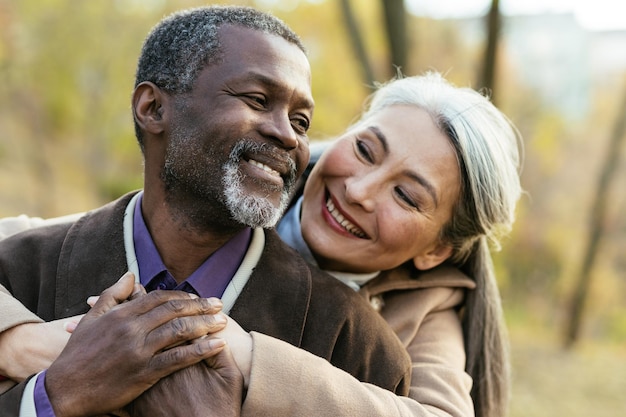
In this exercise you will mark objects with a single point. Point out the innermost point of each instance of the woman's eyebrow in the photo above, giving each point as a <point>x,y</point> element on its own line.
<point>409,174</point>
<point>381,137</point>
<point>424,183</point>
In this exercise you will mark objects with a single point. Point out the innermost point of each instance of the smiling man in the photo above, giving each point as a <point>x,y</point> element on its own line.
<point>221,105</point>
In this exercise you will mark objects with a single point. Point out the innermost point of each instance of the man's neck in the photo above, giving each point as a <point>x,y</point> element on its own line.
<point>183,247</point>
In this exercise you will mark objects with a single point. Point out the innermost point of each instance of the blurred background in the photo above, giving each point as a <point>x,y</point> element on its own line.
<point>557,68</point>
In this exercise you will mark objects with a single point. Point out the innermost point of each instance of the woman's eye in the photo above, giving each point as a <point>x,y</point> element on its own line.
<point>405,197</point>
<point>364,150</point>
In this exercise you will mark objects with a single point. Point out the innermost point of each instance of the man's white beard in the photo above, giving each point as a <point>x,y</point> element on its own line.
<point>251,210</point>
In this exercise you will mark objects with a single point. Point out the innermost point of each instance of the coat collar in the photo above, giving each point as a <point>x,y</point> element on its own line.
<point>405,277</point>
<point>92,257</point>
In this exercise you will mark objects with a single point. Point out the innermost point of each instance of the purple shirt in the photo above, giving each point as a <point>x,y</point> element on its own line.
<point>209,280</point>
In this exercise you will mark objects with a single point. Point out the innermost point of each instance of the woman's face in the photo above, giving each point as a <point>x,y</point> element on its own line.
<point>381,194</point>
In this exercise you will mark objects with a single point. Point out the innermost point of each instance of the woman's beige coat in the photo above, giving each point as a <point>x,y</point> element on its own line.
<point>423,312</point>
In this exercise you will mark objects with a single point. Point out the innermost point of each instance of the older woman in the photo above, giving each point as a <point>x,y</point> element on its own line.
<point>402,208</point>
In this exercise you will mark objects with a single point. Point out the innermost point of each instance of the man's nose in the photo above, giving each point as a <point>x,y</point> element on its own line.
<point>278,127</point>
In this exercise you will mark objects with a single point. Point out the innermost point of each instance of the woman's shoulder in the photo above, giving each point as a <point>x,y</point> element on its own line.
<point>406,277</point>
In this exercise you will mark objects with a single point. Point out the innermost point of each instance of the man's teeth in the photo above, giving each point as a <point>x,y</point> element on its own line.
<point>264,167</point>
<point>343,221</point>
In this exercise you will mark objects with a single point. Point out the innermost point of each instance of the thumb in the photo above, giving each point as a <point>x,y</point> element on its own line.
<point>114,295</point>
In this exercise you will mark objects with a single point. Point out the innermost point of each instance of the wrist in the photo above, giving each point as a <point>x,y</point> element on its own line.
<point>8,358</point>
<point>245,361</point>
<point>59,395</point>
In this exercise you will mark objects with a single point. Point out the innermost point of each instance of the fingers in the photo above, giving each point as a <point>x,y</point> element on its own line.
<point>159,307</point>
<point>183,329</point>
<point>138,291</point>
<point>225,358</point>
<point>70,324</point>
<point>114,295</point>
<point>185,355</point>
<point>92,300</point>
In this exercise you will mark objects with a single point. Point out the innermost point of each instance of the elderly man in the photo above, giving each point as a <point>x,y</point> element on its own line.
<point>222,104</point>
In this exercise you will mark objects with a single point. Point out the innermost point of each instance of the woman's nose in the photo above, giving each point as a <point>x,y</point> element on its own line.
<point>361,191</point>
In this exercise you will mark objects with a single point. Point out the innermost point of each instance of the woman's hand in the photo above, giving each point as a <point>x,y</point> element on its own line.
<point>29,348</point>
<point>240,343</point>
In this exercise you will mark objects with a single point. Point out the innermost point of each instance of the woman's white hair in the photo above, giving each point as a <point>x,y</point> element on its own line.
<point>488,150</point>
<point>487,147</point>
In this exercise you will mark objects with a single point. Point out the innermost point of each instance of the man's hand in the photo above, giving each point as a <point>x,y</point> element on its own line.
<point>210,388</point>
<point>120,349</point>
<point>31,347</point>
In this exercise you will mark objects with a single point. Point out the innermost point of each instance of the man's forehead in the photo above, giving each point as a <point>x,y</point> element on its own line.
<point>253,56</point>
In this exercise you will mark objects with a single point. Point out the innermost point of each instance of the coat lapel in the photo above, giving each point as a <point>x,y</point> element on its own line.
<point>92,257</point>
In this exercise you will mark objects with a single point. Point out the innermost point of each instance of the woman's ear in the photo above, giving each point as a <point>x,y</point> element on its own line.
<point>148,107</point>
<point>433,257</point>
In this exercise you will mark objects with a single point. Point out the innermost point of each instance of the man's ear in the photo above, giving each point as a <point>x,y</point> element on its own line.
<point>148,107</point>
<point>433,257</point>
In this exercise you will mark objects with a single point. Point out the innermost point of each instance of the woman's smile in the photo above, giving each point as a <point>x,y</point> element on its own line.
<point>339,221</point>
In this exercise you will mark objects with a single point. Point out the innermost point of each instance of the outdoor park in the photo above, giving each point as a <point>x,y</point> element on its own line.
<point>67,145</point>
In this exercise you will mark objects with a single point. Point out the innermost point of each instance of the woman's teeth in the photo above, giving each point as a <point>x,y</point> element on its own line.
<point>264,167</point>
<point>343,221</point>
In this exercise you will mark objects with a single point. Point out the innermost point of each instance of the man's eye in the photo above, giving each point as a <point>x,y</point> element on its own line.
<point>257,99</point>
<point>300,124</point>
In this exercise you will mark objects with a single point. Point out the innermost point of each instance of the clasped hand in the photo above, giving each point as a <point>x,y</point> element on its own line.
<point>128,342</point>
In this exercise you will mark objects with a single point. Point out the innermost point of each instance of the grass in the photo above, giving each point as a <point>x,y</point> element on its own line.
<point>548,381</point>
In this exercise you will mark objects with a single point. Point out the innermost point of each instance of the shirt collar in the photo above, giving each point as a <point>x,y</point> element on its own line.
<point>210,279</point>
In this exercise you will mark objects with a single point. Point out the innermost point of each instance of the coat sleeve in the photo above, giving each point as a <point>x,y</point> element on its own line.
<point>14,312</point>
<point>288,381</point>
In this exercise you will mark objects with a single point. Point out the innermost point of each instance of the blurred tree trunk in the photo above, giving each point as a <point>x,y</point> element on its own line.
<point>487,77</point>
<point>356,39</point>
<point>596,229</point>
<point>395,23</point>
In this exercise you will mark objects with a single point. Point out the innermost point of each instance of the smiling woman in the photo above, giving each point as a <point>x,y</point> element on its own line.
<point>402,208</point>
<point>392,182</point>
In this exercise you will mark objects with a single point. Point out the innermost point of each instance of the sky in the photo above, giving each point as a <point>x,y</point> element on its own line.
<point>591,14</point>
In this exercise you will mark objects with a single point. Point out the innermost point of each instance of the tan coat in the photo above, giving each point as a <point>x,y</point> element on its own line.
<point>422,311</point>
<point>287,381</point>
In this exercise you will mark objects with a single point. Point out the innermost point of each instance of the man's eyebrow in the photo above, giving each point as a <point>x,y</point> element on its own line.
<point>275,84</point>
<point>410,174</point>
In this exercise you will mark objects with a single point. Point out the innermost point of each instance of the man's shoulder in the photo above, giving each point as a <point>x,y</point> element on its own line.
<point>24,232</point>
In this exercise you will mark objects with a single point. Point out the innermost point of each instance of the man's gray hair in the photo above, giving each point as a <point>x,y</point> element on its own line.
<point>181,45</point>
